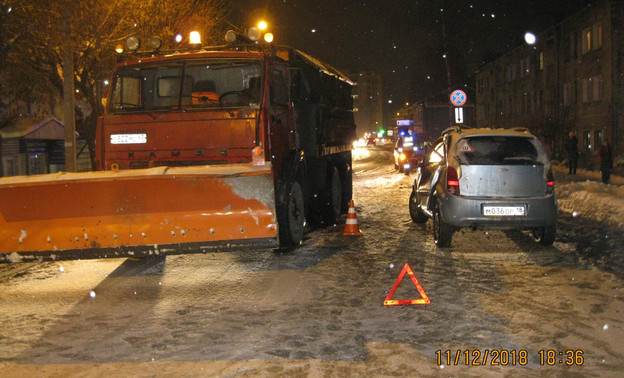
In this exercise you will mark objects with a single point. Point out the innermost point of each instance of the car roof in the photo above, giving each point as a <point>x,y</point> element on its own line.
<point>485,131</point>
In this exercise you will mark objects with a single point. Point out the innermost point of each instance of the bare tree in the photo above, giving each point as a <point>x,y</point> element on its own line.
<point>32,40</point>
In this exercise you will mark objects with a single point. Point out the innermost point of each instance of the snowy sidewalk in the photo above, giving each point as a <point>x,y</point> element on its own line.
<point>585,194</point>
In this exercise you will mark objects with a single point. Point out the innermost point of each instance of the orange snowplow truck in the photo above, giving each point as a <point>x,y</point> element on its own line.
<point>212,149</point>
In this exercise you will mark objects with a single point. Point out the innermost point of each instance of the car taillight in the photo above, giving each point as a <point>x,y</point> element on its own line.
<point>452,181</point>
<point>550,182</point>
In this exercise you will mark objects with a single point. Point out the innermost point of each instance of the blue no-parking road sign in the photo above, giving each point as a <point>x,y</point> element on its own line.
<point>458,98</point>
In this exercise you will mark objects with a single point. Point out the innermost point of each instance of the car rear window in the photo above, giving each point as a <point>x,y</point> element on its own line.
<point>496,150</point>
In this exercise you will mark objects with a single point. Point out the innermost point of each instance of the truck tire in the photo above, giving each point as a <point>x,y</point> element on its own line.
<point>442,232</point>
<point>290,214</point>
<point>332,198</point>
<point>347,187</point>
<point>415,213</point>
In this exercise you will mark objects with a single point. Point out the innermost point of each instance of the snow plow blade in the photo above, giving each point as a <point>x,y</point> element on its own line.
<point>154,211</point>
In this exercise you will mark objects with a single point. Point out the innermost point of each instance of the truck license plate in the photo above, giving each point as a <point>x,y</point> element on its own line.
<point>504,211</point>
<point>138,138</point>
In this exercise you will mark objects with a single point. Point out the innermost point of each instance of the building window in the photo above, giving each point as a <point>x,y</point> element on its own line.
<point>587,90</point>
<point>592,38</point>
<point>596,82</point>
<point>597,36</point>
<point>566,94</point>
<point>586,37</point>
<point>541,60</point>
<point>597,138</point>
<point>523,105</point>
<point>587,139</point>
<point>592,89</point>
<point>525,67</point>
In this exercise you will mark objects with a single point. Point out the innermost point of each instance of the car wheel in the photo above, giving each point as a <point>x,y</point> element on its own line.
<point>545,235</point>
<point>415,213</point>
<point>442,232</point>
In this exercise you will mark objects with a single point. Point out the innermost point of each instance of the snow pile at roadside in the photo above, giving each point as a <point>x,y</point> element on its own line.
<point>604,203</point>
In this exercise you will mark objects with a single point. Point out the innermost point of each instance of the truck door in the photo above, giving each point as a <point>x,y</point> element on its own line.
<point>280,114</point>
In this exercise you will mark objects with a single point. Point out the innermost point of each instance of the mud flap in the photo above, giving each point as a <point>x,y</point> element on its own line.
<point>161,210</point>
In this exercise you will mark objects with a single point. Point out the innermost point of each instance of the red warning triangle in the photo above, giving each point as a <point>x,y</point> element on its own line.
<point>393,302</point>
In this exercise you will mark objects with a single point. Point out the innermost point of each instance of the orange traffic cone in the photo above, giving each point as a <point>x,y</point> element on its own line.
<point>352,228</point>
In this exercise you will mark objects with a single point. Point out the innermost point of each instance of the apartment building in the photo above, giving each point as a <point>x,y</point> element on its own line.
<point>571,79</point>
<point>367,102</point>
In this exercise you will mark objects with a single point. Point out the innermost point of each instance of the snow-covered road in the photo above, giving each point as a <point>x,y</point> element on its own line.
<point>317,311</point>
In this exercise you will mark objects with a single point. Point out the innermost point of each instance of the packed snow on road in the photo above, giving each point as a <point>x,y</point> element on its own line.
<point>318,310</point>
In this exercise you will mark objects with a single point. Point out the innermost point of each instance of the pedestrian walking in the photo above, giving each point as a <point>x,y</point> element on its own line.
<point>605,154</point>
<point>573,153</point>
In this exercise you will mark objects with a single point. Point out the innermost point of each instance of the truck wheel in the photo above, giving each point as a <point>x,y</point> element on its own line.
<point>442,232</point>
<point>332,201</point>
<point>545,235</point>
<point>290,214</point>
<point>347,188</point>
<point>415,213</point>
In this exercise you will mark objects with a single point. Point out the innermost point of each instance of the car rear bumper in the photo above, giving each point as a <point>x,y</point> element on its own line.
<point>459,211</point>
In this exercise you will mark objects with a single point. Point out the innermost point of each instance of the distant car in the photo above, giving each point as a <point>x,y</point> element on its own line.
<point>409,150</point>
<point>371,140</point>
<point>485,179</point>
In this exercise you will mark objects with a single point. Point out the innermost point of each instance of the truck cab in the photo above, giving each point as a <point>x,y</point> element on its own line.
<point>242,104</point>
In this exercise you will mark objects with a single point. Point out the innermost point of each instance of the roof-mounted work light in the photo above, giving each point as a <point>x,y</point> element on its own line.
<point>254,34</point>
<point>230,36</point>
<point>133,43</point>
<point>155,43</point>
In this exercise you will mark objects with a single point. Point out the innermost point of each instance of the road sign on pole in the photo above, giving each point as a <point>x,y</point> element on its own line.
<point>458,97</point>
<point>459,115</point>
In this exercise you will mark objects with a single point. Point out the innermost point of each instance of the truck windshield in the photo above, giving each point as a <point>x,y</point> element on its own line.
<point>187,84</point>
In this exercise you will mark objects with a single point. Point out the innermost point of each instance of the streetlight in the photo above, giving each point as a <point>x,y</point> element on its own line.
<point>530,38</point>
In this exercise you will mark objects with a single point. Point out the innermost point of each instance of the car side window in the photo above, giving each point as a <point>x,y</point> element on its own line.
<point>437,154</point>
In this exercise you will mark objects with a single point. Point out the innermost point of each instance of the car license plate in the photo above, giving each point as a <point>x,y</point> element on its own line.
<point>504,211</point>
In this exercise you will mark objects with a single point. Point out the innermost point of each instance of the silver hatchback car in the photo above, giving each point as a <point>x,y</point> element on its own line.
<point>485,179</point>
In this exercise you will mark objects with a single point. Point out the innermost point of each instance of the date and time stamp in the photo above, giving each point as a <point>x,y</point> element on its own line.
<point>508,357</point>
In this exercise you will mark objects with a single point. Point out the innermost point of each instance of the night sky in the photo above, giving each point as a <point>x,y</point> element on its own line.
<point>406,41</point>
